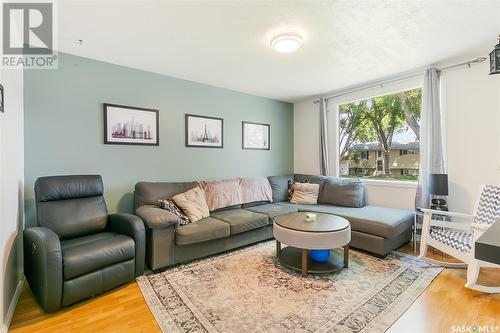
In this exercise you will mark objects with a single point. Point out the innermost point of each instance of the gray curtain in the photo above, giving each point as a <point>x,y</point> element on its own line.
<point>432,158</point>
<point>324,164</point>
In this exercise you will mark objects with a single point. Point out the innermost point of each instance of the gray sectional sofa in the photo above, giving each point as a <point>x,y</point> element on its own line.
<point>374,229</point>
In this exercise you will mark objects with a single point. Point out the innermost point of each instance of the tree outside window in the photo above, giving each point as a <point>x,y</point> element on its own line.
<point>379,136</point>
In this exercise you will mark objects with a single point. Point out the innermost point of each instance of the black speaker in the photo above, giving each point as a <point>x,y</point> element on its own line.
<point>438,202</point>
<point>439,207</point>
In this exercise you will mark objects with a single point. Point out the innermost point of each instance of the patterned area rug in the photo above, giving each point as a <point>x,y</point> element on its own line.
<point>248,291</point>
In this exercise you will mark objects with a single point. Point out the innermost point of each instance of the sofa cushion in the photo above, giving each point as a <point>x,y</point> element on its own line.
<point>227,208</point>
<point>192,203</point>
<point>374,220</point>
<point>255,203</point>
<point>343,192</point>
<point>279,185</point>
<point>241,220</point>
<point>203,230</point>
<point>87,254</point>
<point>296,207</point>
<point>273,210</point>
<point>148,193</point>
<point>300,178</point>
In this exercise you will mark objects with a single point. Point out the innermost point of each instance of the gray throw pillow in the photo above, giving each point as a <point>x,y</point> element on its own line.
<point>313,179</point>
<point>343,192</point>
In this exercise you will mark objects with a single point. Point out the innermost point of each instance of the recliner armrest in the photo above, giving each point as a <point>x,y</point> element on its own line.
<point>131,225</point>
<point>155,217</point>
<point>43,266</point>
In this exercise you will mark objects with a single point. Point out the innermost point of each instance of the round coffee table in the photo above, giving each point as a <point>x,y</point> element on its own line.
<point>327,232</point>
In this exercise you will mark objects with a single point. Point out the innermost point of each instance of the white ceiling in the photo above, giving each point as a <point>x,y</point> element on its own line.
<point>226,44</point>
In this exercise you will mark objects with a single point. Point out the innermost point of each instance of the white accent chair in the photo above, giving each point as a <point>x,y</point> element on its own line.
<point>458,238</point>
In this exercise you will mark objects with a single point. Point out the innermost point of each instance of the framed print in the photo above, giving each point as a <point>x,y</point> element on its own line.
<point>1,99</point>
<point>203,131</point>
<point>256,136</point>
<point>128,125</point>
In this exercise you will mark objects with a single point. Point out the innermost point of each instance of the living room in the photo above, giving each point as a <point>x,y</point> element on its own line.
<point>254,166</point>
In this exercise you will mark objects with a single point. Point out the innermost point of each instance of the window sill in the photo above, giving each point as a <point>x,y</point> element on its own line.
<point>389,183</point>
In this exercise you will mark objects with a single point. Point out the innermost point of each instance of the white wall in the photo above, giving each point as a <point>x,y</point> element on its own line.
<point>472,105</point>
<point>11,191</point>
<point>471,108</point>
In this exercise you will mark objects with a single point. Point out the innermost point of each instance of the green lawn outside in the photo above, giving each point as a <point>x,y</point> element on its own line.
<point>403,178</point>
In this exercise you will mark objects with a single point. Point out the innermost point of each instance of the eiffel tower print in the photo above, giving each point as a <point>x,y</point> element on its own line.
<point>205,135</point>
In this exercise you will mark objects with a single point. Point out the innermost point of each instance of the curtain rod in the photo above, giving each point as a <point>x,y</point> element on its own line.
<point>401,78</point>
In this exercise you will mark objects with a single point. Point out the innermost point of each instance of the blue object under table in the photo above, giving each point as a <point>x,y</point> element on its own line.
<point>319,255</point>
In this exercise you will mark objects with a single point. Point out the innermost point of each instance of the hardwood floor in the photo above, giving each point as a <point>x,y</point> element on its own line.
<point>444,304</point>
<point>122,309</point>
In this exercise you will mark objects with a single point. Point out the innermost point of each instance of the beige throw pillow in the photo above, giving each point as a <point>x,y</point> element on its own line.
<point>192,203</point>
<point>305,193</point>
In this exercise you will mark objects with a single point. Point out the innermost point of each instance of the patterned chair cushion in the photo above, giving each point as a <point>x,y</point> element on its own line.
<point>488,209</point>
<point>458,240</point>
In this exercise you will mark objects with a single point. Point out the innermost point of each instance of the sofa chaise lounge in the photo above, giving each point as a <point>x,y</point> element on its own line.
<point>378,230</point>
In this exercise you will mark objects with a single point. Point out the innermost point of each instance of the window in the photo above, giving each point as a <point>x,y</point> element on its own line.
<point>409,172</point>
<point>406,152</point>
<point>388,126</point>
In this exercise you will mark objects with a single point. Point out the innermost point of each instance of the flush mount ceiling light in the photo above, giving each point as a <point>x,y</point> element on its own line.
<point>286,42</point>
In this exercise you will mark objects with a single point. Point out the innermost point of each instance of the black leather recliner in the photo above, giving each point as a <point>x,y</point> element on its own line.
<point>78,250</point>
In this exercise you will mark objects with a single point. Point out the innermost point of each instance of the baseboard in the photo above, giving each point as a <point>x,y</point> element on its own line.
<point>12,306</point>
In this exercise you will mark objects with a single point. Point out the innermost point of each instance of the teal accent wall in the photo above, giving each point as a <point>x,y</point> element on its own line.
<point>63,118</point>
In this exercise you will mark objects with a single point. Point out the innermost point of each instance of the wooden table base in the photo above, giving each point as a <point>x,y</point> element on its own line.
<point>298,259</point>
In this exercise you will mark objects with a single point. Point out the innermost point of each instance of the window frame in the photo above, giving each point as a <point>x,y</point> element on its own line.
<point>359,95</point>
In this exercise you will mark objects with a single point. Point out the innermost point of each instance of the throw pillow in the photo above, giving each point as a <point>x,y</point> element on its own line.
<point>309,179</point>
<point>279,185</point>
<point>290,189</point>
<point>304,193</point>
<point>343,192</point>
<point>170,206</point>
<point>192,203</point>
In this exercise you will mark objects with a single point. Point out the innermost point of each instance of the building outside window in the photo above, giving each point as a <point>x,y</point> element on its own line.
<point>379,136</point>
